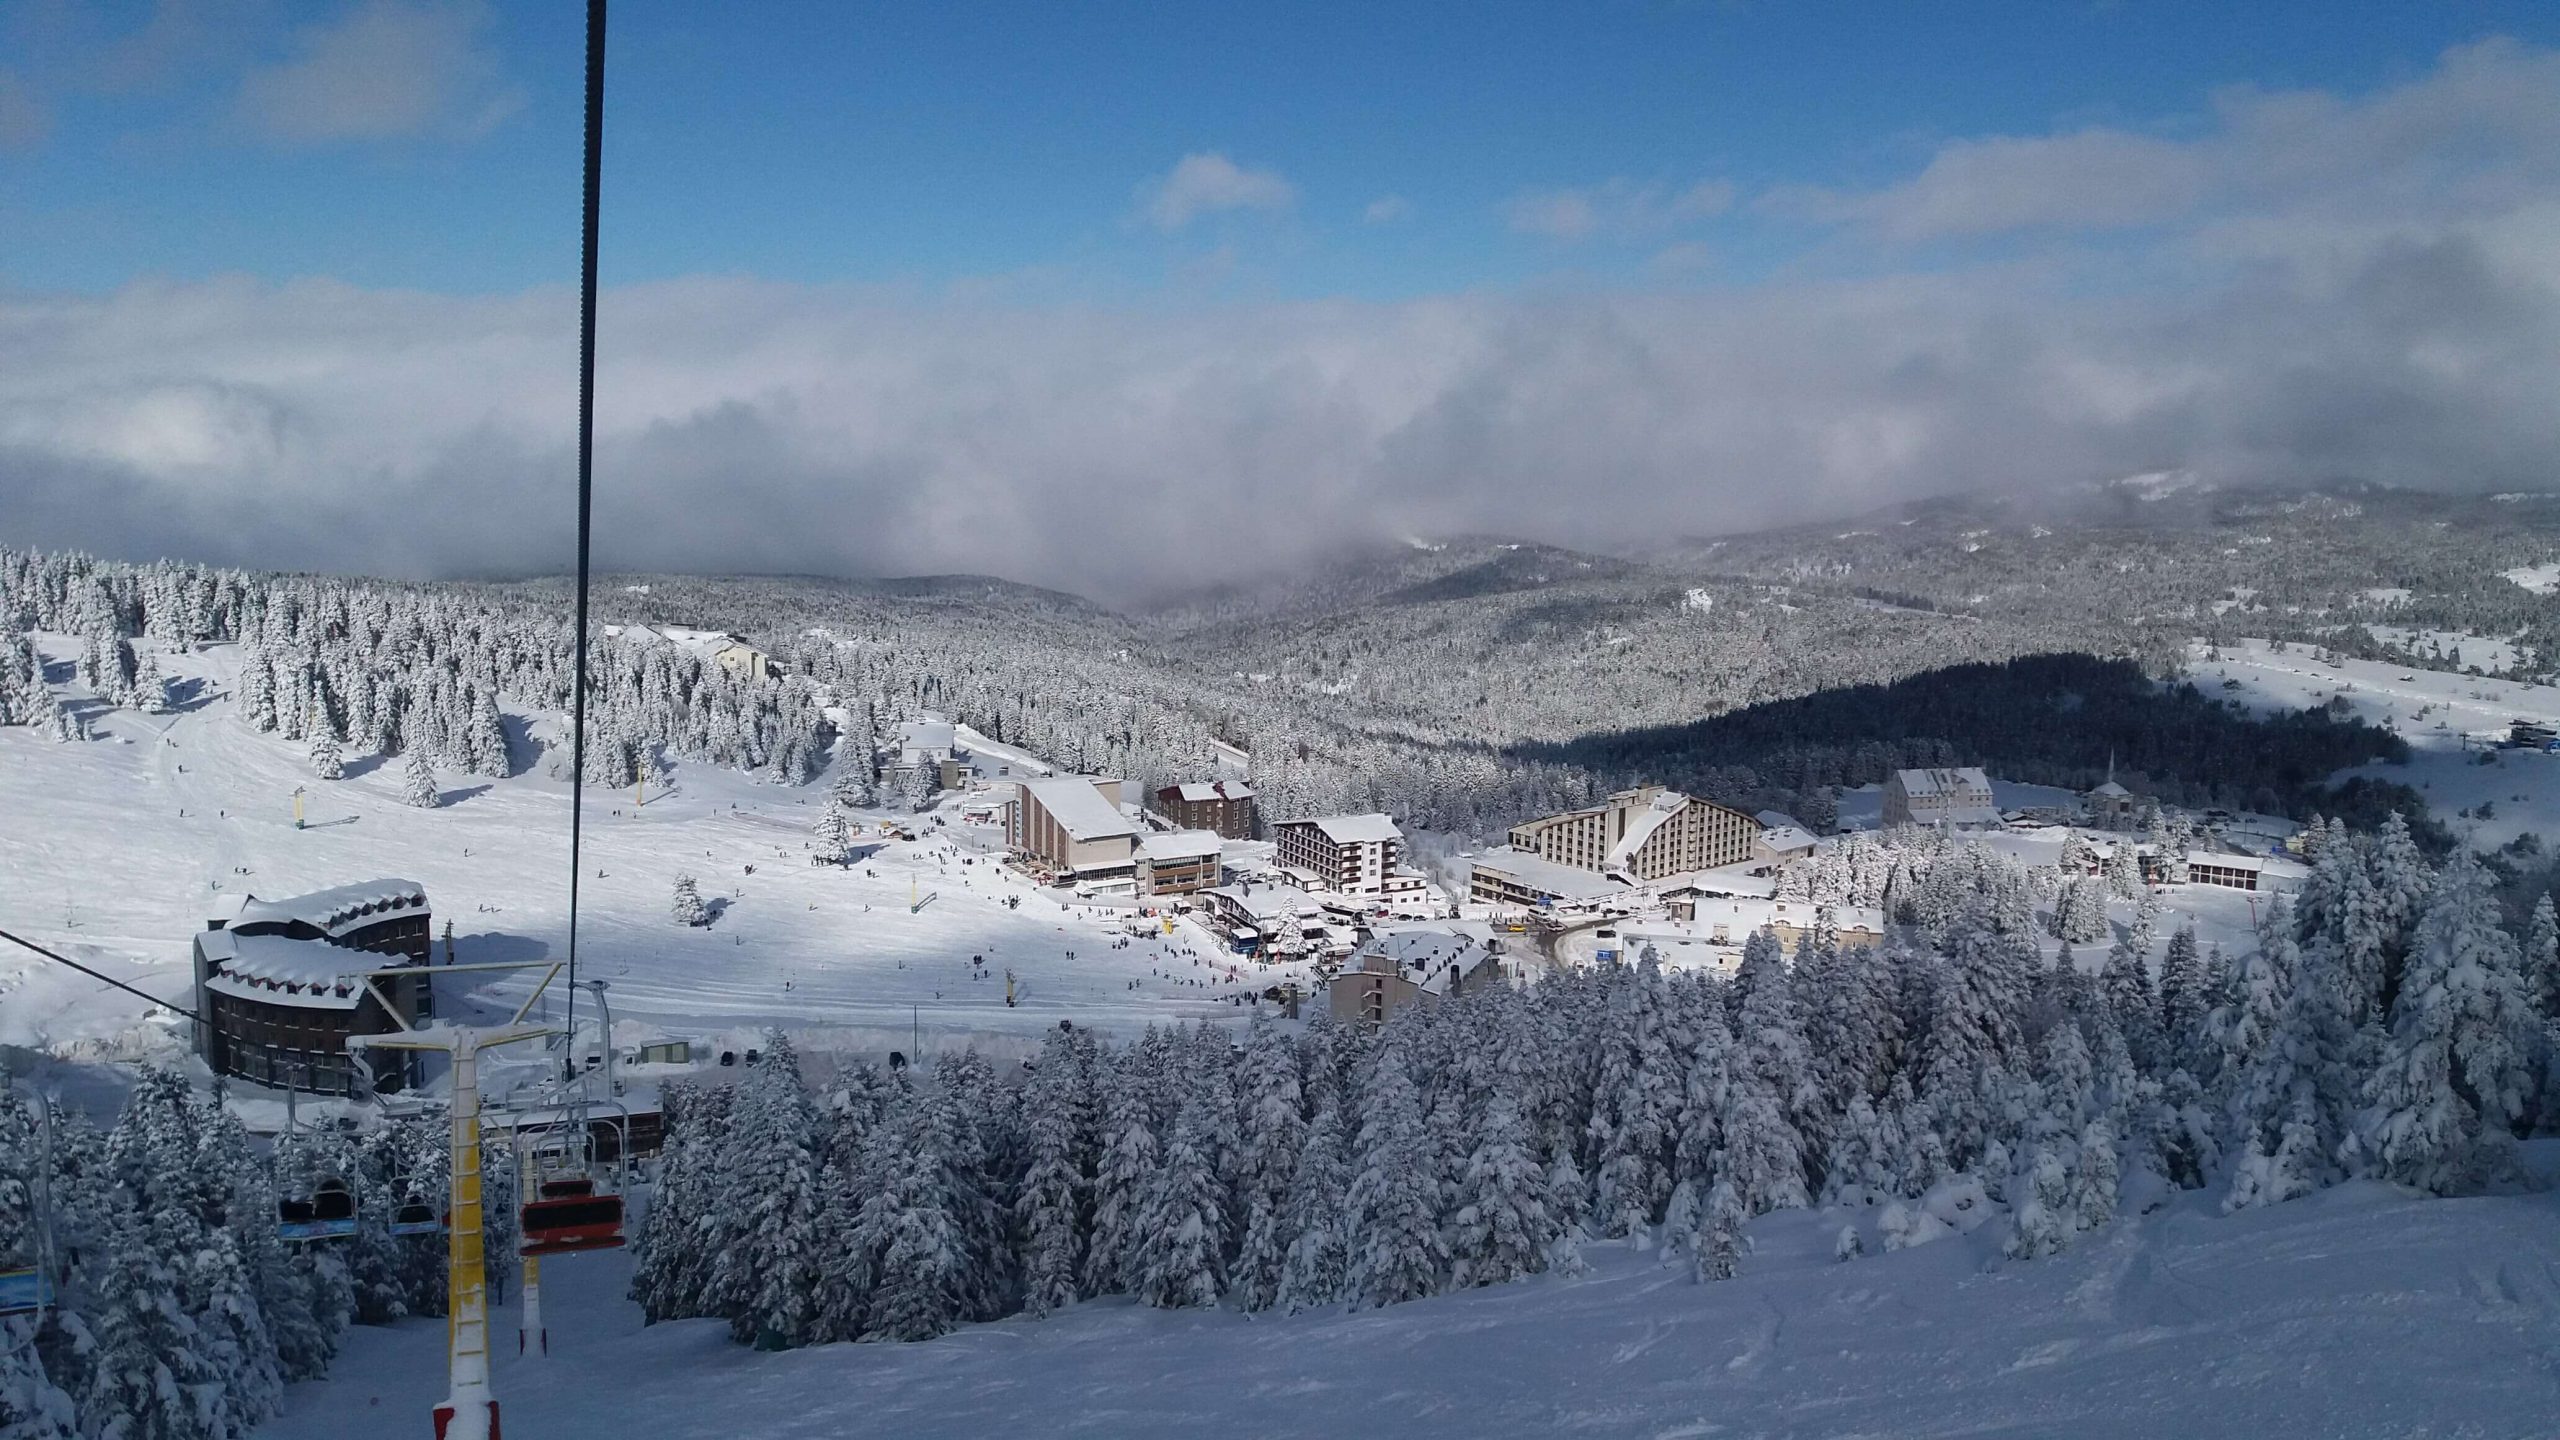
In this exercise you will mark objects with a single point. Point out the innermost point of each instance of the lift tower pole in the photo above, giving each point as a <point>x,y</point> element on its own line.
<point>470,1408</point>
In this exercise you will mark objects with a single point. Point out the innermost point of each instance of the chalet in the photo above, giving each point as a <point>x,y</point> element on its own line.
<point>282,984</point>
<point>1959,795</point>
<point>1072,826</point>
<point>1225,806</point>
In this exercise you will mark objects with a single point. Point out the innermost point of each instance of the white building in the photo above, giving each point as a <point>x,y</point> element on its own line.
<point>1641,835</point>
<point>1958,795</point>
<point>1350,854</point>
<point>1072,825</point>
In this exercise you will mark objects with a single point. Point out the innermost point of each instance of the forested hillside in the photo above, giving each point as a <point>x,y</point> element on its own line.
<point>1458,685</point>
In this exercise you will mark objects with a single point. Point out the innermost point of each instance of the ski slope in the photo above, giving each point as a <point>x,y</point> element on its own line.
<point>2358,1311</point>
<point>2449,721</point>
<point>117,850</point>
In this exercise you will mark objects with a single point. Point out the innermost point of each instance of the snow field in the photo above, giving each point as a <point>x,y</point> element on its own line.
<point>117,850</point>
<point>2354,1312</point>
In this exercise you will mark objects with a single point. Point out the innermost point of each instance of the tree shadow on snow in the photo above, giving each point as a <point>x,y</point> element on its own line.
<point>467,792</point>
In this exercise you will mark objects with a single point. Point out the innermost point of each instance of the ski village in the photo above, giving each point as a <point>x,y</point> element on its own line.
<point>1284,722</point>
<point>888,1030</point>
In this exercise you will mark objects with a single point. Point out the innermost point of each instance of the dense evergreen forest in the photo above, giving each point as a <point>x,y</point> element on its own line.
<point>2066,720</point>
<point>1460,686</point>
<point>2389,1026</point>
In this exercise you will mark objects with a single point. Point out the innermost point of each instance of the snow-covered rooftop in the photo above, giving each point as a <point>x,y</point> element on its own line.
<point>1641,828</point>
<point>1182,845</point>
<point>261,967</point>
<point>337,909</point>
<point>2113,791</point>
<point>1951,780</point>
<point>1564,882</point>
<point>1080,808</point>
<point>1201,792</point>
<point>1785,839</point>
<point>1357,829</point>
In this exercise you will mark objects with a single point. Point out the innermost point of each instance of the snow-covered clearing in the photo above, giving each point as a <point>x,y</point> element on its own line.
<point>2540,579</point>
<point>2476,652</point>
<point>2357,1311</point>
<point>117,850</point>
<point>2447,720</point>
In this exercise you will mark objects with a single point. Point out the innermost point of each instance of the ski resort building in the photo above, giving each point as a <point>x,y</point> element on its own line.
<point>281,985</point>
<point>1398,970</point>
<point>1181,862</point>
<point>2111,806</point>
<point>1072,826</point>
<point>1642,835</point>
<point>1348,854</point>
<point>1225,806</point>
<point>1958,795</point>
<point>728,651</point>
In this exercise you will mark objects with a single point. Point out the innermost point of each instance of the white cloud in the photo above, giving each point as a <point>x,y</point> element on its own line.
<point>2384,306</point>
<point>1617,207</point>
<point>2485,119</point>
<point>1387,210</point>
<point>1206,183</point>
<point>384,70</point>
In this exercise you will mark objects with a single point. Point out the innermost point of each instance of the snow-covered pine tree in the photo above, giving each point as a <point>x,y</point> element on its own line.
<point>2452,1077</point>
<point>2125,987</point>
<point>418,781</point>
<point>2043,1223</point>
<point>688,908</point>
<point>834,839</point>
<point>1319,1259</point>
<point>1502,1229</point>
<point>2186,999</point>
<point>2542,957</point>
<point>1049,1205</point>
<point>1393,1207</point>
<point>765,1277</point>
<point>327,761</point>
<point>1120,1184</point>
<point>1719,1253</point>
<point>1176,1259</point>
<point>909,1255</point>
<point>1270,1134</point>
<point>1634,1104</point>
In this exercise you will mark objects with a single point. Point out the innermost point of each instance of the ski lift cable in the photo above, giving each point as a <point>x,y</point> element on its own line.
<point>586,474</point>
<point>104,979</point>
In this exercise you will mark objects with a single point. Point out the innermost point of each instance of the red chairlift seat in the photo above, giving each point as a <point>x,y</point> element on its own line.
<point>568,1216</point>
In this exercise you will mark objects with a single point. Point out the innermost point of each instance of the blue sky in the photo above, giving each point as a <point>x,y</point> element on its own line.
<point>1378,151</point>
<point>1125,298</point>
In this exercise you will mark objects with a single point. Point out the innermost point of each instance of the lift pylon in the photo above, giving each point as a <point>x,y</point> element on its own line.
<point>470,1408</point>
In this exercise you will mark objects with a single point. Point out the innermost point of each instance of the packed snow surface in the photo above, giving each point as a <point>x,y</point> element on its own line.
<point>2358,1311</point>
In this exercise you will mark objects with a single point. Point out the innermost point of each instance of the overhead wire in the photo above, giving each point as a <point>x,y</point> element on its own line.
<point>586,481</point>
<point>104,979</point>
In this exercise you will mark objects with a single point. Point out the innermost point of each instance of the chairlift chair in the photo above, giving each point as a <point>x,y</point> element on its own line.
<point>326,1212</point>
<point>574,1204</point>
<point>416,1217</point>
